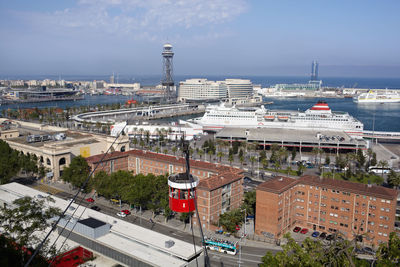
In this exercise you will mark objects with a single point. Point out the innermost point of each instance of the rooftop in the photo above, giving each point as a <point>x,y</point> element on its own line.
<point>357,188</point>
<point>278,184</point>
<point>281,184</point>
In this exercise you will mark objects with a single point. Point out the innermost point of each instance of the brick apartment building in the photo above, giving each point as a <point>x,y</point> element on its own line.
<point>220,188</point>
<point>325,205</point>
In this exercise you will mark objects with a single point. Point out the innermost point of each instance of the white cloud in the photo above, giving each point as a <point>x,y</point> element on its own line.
<point>145,19</point>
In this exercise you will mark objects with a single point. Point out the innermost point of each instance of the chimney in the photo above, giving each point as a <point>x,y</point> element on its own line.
<point>280,179</point>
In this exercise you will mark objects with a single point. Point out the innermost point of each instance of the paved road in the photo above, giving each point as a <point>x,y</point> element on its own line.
<point>250,256</point>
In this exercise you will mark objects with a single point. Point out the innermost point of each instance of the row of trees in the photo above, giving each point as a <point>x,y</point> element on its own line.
<point>13,161</point>
<point>145,191</point>
<point>340,252</point>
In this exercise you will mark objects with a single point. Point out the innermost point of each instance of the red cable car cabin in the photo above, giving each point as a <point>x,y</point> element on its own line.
<point>182,192</point>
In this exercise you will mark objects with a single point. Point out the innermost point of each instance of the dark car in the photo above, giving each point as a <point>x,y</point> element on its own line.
<point>296,229</point>
<point>322,235</point>
<point>329,237</point>
<point>315,234</point>
<point>95,208</point>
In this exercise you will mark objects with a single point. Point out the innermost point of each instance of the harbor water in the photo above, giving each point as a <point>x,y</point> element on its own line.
<point>379,117</point>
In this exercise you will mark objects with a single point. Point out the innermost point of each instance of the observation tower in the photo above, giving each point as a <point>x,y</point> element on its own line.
<point>167,82</point>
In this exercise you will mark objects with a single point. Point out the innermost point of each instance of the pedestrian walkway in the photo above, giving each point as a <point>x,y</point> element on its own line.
<point>47,189</point>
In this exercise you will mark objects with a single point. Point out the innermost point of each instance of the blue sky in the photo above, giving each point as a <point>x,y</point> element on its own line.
<point>221,37</point>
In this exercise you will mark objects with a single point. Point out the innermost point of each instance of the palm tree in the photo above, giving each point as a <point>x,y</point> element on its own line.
<point>315,152</point>
<point>157,149</point>
<point>300,169</point>
<point>220,154</point>
<point>383,164</point>
<point>252,160</point>
<point>165,151</point>
<point>174,149</point>
<point>241,159</point>
<point>394,179</point>
<point>200,152</point>
<point>230,158</point>
<point>134,142</point>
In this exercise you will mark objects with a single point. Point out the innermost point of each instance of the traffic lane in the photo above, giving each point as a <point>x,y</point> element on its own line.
<point>221,259</point>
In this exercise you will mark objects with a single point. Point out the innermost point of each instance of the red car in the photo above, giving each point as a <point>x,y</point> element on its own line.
<point>296,229</point>
<point>237,228</point>
<point>127,212</point>
<point>91,200</point>
<point>304,231</point>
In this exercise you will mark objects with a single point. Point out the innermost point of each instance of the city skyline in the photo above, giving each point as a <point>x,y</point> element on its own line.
<point>223,37</point>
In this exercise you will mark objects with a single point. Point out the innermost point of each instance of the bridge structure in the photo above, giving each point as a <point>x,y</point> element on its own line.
<point>139,113</point>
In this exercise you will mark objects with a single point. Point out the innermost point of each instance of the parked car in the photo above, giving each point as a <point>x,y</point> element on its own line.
<point>95,208</point>
<point>121,214</point>
<point>127,212</point>
<point>315,234</point>
<point>91,200</point>
<point>304,231</point>
<point>296,229</point>
<point>322,235</point>
<point>329,237</point>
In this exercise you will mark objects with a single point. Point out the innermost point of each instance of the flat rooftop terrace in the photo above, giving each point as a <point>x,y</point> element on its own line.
<point>72,138</point>
<point>291,137</point>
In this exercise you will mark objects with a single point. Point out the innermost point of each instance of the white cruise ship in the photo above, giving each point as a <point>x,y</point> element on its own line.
<point>375,97</point>
<point>318,117</point>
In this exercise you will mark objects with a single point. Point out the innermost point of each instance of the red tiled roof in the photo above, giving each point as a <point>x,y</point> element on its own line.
<point>219,180</point>
<point>222,174</point>
<point>353,187</point>
<point>96,158</point>
<point>277,185</point>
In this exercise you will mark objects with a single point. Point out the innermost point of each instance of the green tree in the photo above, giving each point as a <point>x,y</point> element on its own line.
<point>10,164</point>
<point>360,158</point>
<point>373,160</point>
<point>327,159</point>
<point>294,153</point>
<point>22,222</point>
<point>249,202</point>
<point>230,158</point>
<point>220,154</point>
<point>300,169</point>
<point>388,254</point>
<point>230,219</point>
<point>77,172</point>
<point>394,179</point>
<point>313,253</point>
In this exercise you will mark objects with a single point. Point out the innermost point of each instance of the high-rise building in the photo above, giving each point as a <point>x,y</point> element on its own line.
<point>239,88</point>
<point>314,71</point>
<point>201,89</point>
<point>167,81</point>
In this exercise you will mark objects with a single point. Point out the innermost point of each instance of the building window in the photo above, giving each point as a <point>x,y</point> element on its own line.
<point>48,161</point>
<point>61,161</point>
